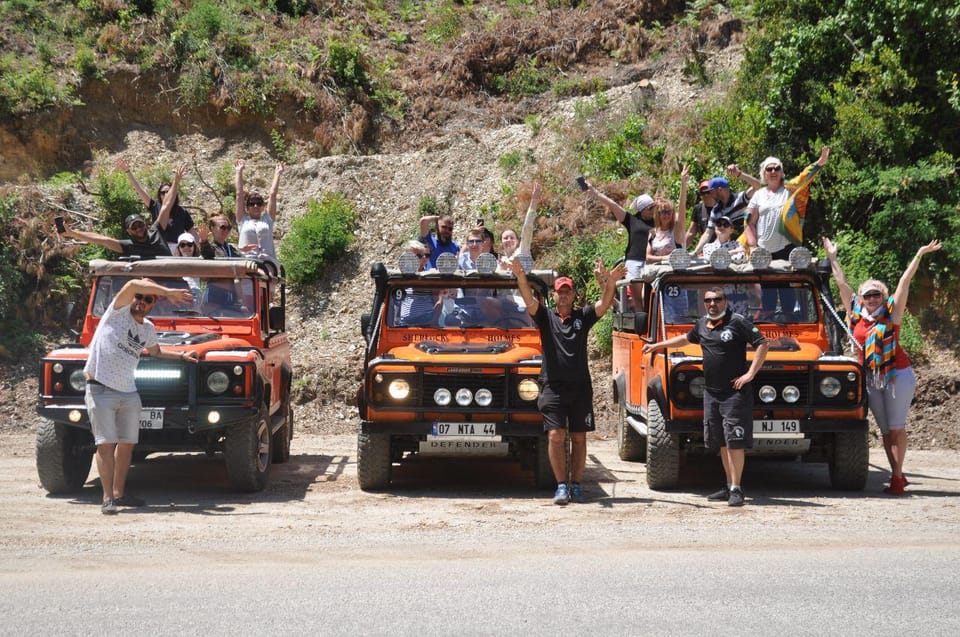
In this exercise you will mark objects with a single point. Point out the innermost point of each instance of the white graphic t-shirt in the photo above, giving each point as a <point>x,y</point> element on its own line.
<point>768,205</point>
<point>116,347</point>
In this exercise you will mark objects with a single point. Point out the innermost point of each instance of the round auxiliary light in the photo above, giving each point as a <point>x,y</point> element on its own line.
<point>213,417</point>
<point>829,386</point>
<point>74,415</point>
<point>720,259</point>
<point>791,394</point>
<point>237,370</point>
<point>483,397</point>
<point>442,396</point>
<point>800,258</point>
<point>526,262</point>
<point>398,389</point>
<point>409,263</point>
<point>528,389</point>
<point>78,380</point>
<point>767,394</point>
<point>679,259</point>
<point>486,263</point>
<point>760,258</point>
<point>57,368</point>
<point>464,396</point>
<point>696,387</point>
<point>851,376</point>
<point>217,382</point>
<point>447,263</point>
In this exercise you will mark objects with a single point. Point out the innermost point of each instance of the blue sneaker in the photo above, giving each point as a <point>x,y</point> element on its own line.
<point>576,494</point>
<point>562,496</point>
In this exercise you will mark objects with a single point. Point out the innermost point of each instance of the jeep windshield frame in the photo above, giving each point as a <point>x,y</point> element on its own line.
<point>457,305</point>
<point>213,297</point>
<point>776,299</point>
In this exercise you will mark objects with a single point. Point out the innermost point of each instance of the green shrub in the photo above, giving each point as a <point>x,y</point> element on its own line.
<point>622,153</point>
<point>316,239</point>
<point>346,64</point>
<point>443,22</point>
<point>524,80</point>
<point>117,199</point>
<point>27,87</point>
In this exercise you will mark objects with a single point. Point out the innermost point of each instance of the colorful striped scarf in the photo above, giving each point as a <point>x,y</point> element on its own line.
<point>795,208</point>
<point>880,347</point>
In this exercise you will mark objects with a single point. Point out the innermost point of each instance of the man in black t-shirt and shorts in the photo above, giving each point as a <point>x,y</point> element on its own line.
<point>566,395</point>
<point>728,395</point>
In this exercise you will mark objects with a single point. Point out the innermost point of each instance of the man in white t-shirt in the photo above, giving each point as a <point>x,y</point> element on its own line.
<point>113,403</point>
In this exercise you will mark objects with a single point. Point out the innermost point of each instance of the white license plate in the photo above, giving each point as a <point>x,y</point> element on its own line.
<point>151,419</point>
<point>776,426</point>
<point>464,429</point>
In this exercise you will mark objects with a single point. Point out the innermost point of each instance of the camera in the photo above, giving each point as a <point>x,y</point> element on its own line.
<point>59,223</point>
<point>582,182</point>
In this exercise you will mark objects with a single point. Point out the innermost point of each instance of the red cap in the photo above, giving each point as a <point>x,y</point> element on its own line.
<point>704,185</point>
<point>563,281</point>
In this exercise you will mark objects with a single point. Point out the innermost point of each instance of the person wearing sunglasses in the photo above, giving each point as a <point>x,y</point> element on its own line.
<point>726,239</point>
<point>173,221</point>
<point>728,203</point>
<point>473,248</point>
<point>144,241</point>
<point>256,217</point>
<point>213,238</point>
<point>728,393</point>
<point>122,336</point>
<point>875,317</point>
<point>668,223</point>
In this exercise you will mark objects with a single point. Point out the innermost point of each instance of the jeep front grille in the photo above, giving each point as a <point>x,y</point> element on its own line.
<point>162,382</point>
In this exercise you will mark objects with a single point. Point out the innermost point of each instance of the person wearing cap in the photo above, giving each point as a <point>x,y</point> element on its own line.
<point>254,223</point>
<point>177,220</point>
<point>701,212</point>
<point>144,242</point>
<point>723,336</point>
<point>638,225</point>
<point>566,396</point>
<point>875,318</point>
<point>724,231</point>
<point>728,203</point>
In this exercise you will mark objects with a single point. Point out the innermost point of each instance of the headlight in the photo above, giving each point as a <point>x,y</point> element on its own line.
<point>696,386</point>
<point>78,380</point>
<point>791,394</point>
<point>528,389</point>
<point>217,382</point>
<point>484,397</point>
<point>442,396</point>
<point>829,386</point>
<point>464,396</point>
<point>768,394</point>
<point>398,389</point>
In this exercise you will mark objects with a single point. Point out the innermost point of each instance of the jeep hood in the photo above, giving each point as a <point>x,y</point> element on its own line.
<point>476,352</point>
<point>781,349</point>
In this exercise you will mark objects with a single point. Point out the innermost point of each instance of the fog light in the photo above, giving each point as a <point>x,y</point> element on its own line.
<point>442,396</point>
<point>791,394</point>
<point>57,368</point>
<point>720,259</point>
<point>486,263</point>
<point>767,394</point>
<point>528,389</point>
<point>484,397</point>
<point>74,415</point>
<point>399,389</point>
<point>464,396</point>
<point>213,417</point>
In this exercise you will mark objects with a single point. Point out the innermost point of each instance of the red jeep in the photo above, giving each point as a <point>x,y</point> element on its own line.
<point>235,401</point>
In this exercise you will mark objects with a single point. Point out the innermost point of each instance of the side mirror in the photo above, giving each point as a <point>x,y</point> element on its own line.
<point>277,318</point>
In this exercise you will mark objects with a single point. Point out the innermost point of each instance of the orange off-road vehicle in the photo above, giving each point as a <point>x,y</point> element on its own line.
<point>450,369</point>
<point>809,401</point>
<point>236,400</point>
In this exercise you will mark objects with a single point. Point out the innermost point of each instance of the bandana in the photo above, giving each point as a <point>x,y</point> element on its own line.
<point>880,347</point>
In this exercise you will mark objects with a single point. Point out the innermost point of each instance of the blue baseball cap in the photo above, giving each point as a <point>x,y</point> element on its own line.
<point>719,182</point>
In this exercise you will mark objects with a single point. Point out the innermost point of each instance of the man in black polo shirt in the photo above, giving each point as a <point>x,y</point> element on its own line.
<point>566,397</point>
<point>728,395</point>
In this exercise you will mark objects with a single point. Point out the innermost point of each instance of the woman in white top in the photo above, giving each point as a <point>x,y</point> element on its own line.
<point>669,224</point>
<point>254,224</point>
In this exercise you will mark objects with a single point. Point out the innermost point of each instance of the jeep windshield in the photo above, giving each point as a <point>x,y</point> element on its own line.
<point>216,297</point>
<point>457,308</point>
<point>769,301</point>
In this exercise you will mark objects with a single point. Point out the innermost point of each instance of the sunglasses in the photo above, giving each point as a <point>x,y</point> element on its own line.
<point>164,191</point>
<point>146,298</point>
<point>772,169</point>
<point>872,295</point>
<point>255,203</point>
<point>723,224</point>
<point>225,226</point>
<point>138,225</point>
<point>186,244</point>
<point>475,242</point>
<point>446,227</point>
<point>713,299</point>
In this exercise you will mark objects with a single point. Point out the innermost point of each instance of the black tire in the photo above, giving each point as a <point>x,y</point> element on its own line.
<point>630,444</point>
<point>64,455</point>
<point>373,461</point>
<point>247,454</point>
<point>283,436</point>
<point>543,472</point>
<point>849,461</point>
<point>663,451</point>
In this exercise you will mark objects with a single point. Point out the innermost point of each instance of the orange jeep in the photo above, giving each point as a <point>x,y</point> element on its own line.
<point>236,400</point>
<point>810,399</point>
<point>450,369</point>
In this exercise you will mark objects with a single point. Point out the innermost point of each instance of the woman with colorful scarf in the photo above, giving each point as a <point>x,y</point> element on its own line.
<point>875,318</point>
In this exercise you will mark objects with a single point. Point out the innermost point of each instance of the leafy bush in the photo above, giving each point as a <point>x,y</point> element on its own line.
<point>622,153</point>
<point>25,87</point>
<point>318,238</point>
<point>524,80</point>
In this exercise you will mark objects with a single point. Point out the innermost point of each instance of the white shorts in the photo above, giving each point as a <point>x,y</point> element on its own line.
<point>114,415</point>
<point>634,268</point>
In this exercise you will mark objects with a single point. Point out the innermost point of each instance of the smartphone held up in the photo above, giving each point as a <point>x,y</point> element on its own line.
<point>582,182</point>
<point>59,223</point>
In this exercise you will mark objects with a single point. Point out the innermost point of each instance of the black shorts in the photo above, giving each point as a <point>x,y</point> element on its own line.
<point>566,407</point>
<point>728,419</point>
